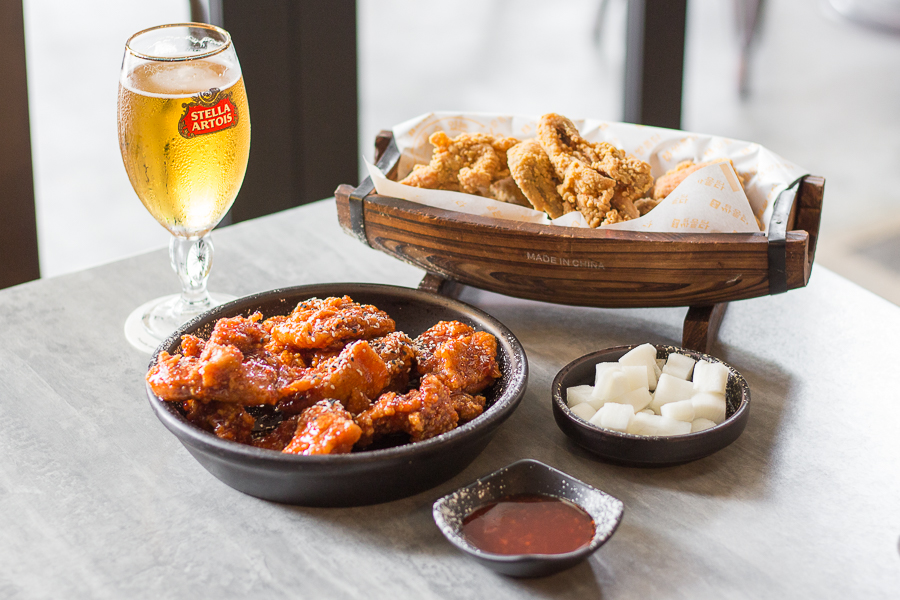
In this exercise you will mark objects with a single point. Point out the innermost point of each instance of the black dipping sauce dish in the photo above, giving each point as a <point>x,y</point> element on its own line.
<point>641,450</point>
<point>527,477</point>
<point>365,477</point>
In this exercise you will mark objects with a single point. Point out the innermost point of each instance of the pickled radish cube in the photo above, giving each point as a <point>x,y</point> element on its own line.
<point>708,405</point>
<point>669,426</point>
<point>670,389</point>
<point>614,416</point>
<point>701,424</point>
<point>644,424</point>
<point>647,411</point>
<point>680,366</point>
<point>683,410</point>
<point>645,354</point>
<point>637,377</point>
<point>611,384</point>
<point>578,394</point>
<point>583,411</point>
<point>639,398</point>
<point>710,377</point>
<point>602,368</point>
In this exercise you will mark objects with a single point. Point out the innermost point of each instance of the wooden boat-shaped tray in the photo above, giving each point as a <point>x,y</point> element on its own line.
<point>591,267</point>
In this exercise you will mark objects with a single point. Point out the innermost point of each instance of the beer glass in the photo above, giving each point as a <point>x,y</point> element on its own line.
<point>184,133</point>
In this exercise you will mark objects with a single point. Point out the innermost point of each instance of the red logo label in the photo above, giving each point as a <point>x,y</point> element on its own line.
<point>209,112</point>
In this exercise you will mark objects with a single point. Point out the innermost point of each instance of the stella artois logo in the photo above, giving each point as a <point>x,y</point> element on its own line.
<point>209,112</point>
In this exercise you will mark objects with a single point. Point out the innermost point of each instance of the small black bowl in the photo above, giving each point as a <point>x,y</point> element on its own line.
<point>359,478</point>
<point>648,451</point>
<point>527,477</point>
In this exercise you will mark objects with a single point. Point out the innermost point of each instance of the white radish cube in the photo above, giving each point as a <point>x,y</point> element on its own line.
<point>683,410</point>
<point>602,368</point>
<point>638,377</point>
<point>670,389</point>
<point>701,424</point>
<point>645,354</point>
<point>639,398</point>
<point>583,411</point>
<point>680,366</point>
<point>672,427</point>
<point>644,424</point>
<point>578,394</point>
<point>710,377</point>
<point>611,384</point>
<point>614,416</point>
<point>709,406</point>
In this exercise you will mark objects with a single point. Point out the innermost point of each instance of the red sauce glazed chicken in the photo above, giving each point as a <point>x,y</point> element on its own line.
<point>332,377</point>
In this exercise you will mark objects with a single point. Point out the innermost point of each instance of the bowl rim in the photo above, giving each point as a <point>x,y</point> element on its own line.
<point>556,393</point>
<point>457,539</point>
<point>505,403</point>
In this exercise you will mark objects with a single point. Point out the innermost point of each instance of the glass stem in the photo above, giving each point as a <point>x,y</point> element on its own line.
<point>192,258</point>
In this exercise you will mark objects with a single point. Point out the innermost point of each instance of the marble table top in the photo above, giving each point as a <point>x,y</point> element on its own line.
<point>99,500</point>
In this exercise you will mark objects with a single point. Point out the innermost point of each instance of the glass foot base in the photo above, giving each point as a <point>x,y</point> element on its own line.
<point>151,323</point>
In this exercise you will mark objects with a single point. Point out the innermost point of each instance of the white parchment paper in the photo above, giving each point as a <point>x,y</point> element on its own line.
<point>708,200</point>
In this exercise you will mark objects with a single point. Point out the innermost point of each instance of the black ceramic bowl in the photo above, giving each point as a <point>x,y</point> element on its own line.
<point>648,451</point>
<point>527,477</point>
<point>358,478</point>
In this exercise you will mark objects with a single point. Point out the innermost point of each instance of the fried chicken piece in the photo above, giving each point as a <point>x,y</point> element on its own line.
<point>666,184</point>
<point>227,420</point>
<point>352,377</point>
<point>506,190</point>
<point>329,323</point>
<point>464,359</point>
<point>645,205</point>
<point>598,179</point>
<point>279,437</point>
<point>531,169</point>
<point>221,372</point>
<point>468,163</point>
<point>398,353</point>
<point>422,413</point>
<point>324,428</point>
<point>467,406</point>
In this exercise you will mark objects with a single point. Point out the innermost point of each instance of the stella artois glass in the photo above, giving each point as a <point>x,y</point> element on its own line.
<point>184,133</point>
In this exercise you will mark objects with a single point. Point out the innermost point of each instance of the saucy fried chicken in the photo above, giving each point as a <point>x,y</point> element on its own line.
<point>330,322</point>
<point>468,163</point>
<point>324,428</point>
<point>227,420</point>
<point>464,359</point>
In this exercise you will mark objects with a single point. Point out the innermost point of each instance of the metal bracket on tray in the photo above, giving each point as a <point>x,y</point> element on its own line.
<point>386,163</point>
<point>778,224</point>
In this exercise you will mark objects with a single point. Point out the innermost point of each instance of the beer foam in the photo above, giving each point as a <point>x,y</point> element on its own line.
<point>180,79</point>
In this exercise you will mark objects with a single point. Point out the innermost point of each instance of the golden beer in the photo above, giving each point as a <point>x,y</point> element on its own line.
<point>184,133</point>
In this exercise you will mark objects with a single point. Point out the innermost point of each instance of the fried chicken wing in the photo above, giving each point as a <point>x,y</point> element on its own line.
<point>323,324</point>
<point>422,413</point>
<point>324,428</point>
<point>468,163</point>
<point>532,171</point>
<point>397,351</point>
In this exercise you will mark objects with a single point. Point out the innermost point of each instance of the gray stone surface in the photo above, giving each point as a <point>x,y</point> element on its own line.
<point>98,500</point>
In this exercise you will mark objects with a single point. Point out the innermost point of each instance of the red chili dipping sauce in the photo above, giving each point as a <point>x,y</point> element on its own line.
<point>529,524</point>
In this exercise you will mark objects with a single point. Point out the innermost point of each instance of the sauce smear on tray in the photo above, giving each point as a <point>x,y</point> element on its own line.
<point>529,524</point>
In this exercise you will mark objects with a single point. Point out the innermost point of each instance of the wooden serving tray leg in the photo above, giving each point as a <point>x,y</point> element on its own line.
<point>701,326</point>
<point>438,285</point>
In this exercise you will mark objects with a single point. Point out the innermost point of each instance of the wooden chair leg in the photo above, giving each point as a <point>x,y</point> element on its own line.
<point>438,285</point>
<point>701,326</point>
